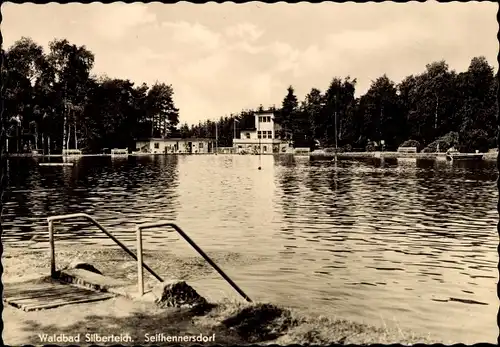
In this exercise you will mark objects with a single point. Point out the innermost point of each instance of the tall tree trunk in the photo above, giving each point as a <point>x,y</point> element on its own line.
<point>48,144</point>
<point>436,114</point>
<point>36,141</point>
<point>76,138</point>
<point>69,135</point>
<point>43,142</point>
<point>152,126</point>
<point>64,146</point>
<point>19,140</point>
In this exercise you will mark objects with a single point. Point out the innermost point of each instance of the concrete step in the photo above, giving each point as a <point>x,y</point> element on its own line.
<point>89,279</point>
<point>100,283</point>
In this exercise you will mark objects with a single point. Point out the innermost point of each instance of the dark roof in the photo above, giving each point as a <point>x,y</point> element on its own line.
<point>264,112</point>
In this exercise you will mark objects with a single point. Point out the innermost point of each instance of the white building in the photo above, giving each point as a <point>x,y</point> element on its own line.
<point>175,146</point>
<point>263,138</point>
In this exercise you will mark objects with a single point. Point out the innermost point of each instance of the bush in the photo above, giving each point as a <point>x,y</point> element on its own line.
<point>476,139</point>
<point>345,148</point>
<point>432,147</point>
<point>370,147</point>
<point>492,142</point>
<point>445,142</point>
<point>411,143</point>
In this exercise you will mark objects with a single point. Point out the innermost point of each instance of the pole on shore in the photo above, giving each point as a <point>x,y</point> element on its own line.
<point>216,138</point>
<point>260,143</point>
<point>335,136</point>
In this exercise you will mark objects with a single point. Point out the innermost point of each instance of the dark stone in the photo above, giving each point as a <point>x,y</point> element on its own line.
<point>178,294</point>
<point>77,264</point>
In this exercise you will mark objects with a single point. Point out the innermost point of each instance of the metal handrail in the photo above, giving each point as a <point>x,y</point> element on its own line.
<point>143,226</point>
<point>139,256</point>
<point>51,221</point>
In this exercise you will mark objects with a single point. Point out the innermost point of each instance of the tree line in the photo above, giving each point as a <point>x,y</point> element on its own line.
<point>434,110</point>
<point>53,102</point>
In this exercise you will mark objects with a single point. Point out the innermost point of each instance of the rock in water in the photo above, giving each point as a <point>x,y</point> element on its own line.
<point>177,294</point>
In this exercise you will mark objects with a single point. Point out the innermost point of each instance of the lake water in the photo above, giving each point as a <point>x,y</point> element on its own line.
<point>411,243</point>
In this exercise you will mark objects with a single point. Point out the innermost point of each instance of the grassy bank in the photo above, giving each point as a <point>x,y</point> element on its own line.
<point>232,321</point>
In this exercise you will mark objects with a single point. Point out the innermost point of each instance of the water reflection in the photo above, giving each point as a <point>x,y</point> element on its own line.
<point>413,222</point>
<point>365,239</point>
<point>116,193</point>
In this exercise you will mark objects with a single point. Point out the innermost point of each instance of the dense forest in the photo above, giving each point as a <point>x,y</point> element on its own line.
<point>434,110</point>
<point>53,102</point>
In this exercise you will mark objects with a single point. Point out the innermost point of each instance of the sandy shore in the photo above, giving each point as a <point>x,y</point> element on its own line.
<point>231,320</point>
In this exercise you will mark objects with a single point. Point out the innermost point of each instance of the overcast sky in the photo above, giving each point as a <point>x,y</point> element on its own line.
<point>221,58</point>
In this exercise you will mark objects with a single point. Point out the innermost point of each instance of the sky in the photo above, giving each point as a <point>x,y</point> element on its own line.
<point>222,58</point>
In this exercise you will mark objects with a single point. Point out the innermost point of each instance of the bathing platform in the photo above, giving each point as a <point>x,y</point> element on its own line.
<point>46,293</point>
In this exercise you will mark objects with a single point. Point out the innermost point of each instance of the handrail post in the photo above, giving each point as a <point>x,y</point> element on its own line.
<point>52,250</point>
<point>140,274</point>
<point>100,227</point>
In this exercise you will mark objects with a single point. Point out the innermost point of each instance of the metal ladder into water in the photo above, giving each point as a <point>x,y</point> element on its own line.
<point>53,294</point>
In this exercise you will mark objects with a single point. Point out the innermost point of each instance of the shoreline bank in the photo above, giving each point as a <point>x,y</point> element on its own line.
<point>233,321</point>
<point>344,155</point>
<point>394,155</point>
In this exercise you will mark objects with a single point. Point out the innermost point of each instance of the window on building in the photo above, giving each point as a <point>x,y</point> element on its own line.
<point>268,119</point>
<point>259,134</point>
<point>247,135</point>
<point>265,149</point>
<point>260,119</point>
<point>157,145</point>
<point>200,146</point>
<point>264,134</point>
<point>269,134</point>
